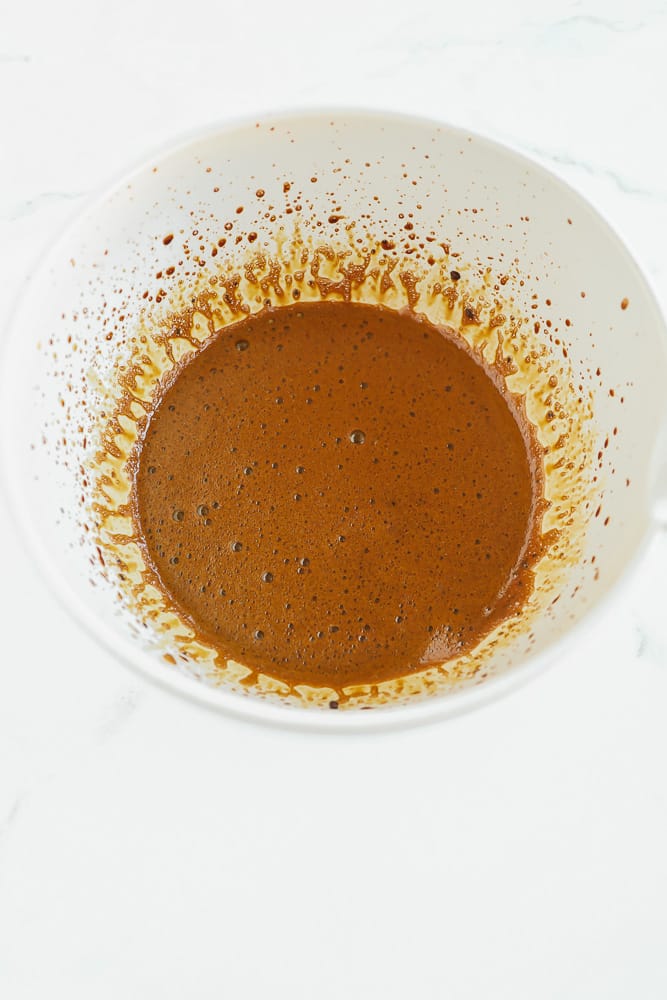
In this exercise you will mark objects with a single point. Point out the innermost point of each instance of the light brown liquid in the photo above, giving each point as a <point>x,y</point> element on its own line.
<point>336,493</point>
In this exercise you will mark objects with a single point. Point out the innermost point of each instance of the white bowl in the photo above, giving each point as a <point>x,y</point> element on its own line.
<point>489,203</point>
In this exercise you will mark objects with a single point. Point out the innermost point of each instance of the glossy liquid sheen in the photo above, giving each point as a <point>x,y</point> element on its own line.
<point>336,493</point>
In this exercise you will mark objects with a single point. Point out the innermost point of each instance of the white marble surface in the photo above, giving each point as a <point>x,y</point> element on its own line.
<point>151,849</point>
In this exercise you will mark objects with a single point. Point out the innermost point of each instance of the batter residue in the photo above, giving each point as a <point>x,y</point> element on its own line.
<point>336,493</point>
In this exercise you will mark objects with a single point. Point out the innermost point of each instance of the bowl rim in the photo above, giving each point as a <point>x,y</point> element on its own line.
<point>229,703</point>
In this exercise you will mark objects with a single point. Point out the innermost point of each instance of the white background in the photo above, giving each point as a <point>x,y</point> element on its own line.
<point>150,849</point>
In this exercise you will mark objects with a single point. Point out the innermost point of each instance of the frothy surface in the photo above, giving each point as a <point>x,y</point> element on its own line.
<point>336,493</point>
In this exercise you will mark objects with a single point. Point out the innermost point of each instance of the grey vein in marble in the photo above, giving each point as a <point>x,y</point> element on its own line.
<point>482,37</point>
<point>649,648</point>
<point>14,57</point>
<point>642,642</point>
<point>594,170</point>
<point>23,208</point>
<point>118,714</point>
<point>597,22</point>
<point>8,821</point>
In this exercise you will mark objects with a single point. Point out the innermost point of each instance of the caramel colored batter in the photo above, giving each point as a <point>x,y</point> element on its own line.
<point>336,493</point>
